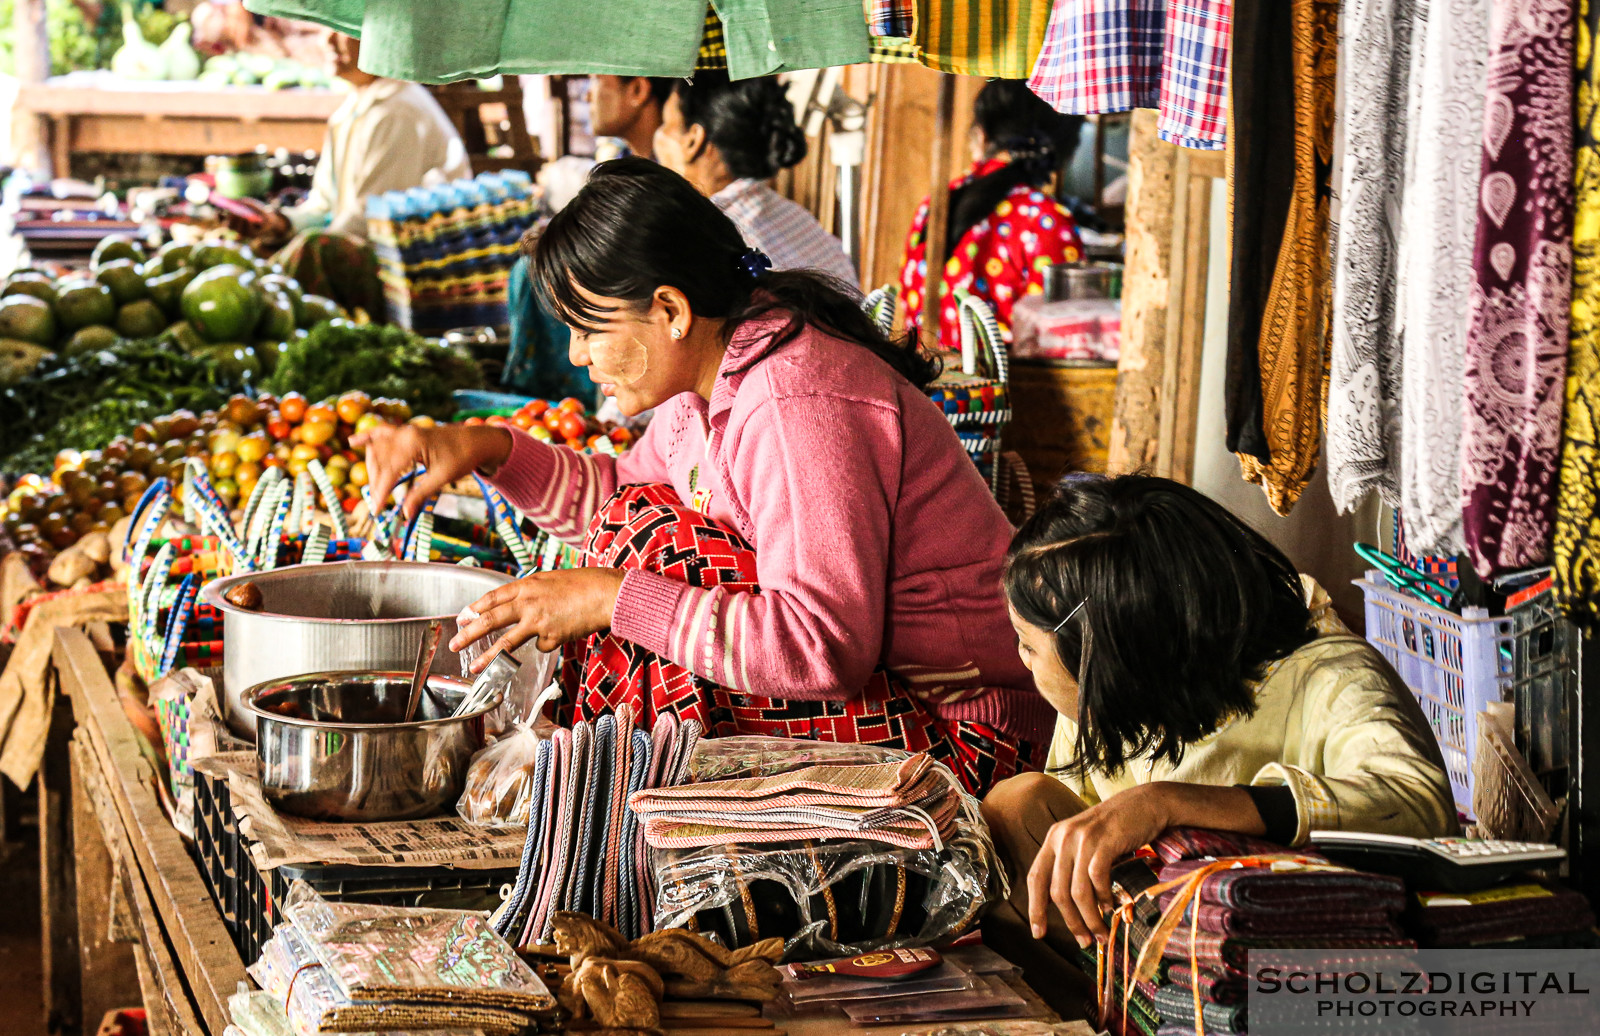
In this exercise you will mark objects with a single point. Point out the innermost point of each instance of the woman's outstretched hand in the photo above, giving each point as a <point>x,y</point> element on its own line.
<point>555,607</point>
<point>447,451</point>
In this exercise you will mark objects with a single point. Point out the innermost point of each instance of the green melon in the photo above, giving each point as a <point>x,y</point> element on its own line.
<point>27,319</point>
<point>140,319</point>
<point>30,282</point>
<point>114,247</point>
<point>89,339</point>
<point>82,302</point>
<point>124,280</point>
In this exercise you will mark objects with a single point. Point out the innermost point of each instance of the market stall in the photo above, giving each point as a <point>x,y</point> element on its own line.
<point>283,789</point>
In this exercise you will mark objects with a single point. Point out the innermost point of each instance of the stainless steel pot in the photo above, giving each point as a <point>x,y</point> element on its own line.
<point>350,615</point>
<point>332,746</point>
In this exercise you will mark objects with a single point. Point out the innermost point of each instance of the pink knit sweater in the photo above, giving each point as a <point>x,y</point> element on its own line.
<point>877,542</point>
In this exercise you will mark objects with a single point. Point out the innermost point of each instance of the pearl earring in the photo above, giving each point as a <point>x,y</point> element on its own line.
<point>677,332</point>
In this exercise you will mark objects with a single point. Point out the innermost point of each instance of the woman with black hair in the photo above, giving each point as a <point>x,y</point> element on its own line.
<point>1200,682</point>
<point>728,138</point>
<point>1003,228</point>
<point>797,545</point>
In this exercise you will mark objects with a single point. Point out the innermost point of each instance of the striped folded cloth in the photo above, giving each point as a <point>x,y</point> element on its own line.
<point>1255,890</point>
<point>908,803</point>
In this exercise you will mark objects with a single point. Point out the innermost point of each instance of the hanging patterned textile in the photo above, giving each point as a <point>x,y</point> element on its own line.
<point>1517,339</point>
<point>1577,528</point>
<point>1103,56</point>
<point>1294,322</point>
<point>1436,249</point>
<point>999,39</point>
<point>407,39</point>
<point>1262,114</point>
<point>1375,57</point>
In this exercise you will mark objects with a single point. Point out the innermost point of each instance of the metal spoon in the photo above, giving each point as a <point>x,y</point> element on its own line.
<point>419,676</point>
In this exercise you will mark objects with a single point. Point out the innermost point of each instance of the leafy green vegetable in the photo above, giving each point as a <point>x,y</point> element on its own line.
<point>85,401</point>
<point>339,356</point>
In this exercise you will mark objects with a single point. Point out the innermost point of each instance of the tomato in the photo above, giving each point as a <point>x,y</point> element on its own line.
<point>421,420</point>
<point>322,412</point>
<point>536,407</point>
<point>316,432</point>
<point>349,503</point>
<point>497,421</point>
<point>540,432</point>
<point>304,452</point>
<point>352,405</point>
<point>251,448</point>
<point>279,429</point>
<point>293,408</point>
<point>473,422</point>
<point>572,426</point>
<point>571,405</point>
<point>368,421</point>
<point>621,436</point>
<point>522,419</point>
<point>592,440</point>
<point>552,419</point>
<point>358,473</point>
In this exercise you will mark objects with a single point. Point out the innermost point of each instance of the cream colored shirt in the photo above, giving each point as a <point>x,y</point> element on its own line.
<point>386,136</point>
<point>1334,723</point>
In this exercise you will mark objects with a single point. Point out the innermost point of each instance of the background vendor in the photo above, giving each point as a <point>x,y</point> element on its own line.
<point>793,451</point>
<point>386,136</point>
<point>728,139</point>
<point>1200,682</point>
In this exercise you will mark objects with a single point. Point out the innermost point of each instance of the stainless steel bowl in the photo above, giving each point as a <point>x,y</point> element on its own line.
<point>332,746</point>
<point>353,615</point>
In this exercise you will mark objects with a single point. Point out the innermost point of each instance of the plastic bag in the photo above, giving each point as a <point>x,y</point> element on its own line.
<point>538,669</point>
<point>500,790</point>
<point>829,898</point>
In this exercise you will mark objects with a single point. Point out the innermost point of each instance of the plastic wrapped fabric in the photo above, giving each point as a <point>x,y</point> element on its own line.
<point>825,898</point>
<point>415,955</point>
<point>257,1013</point>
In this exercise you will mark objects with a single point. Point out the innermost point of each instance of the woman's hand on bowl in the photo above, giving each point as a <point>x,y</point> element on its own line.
<point>554,607</point>
<point>448,452</point>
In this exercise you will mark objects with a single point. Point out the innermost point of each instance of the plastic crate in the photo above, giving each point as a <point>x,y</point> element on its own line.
<point>1457,664</point>
<point>249,903</point>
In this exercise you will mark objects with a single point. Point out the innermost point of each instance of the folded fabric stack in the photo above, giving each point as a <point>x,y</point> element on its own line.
<point>1292,901</point>
<point>347,967</point>
<point>908,803</point>
<point>585,849</point>
<point>1526,915</point>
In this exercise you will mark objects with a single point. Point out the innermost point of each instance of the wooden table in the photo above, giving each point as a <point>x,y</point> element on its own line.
<point>118,870</point>
<point>94,112</point>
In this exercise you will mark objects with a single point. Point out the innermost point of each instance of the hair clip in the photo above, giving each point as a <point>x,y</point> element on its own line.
<point>1070,614</point>
<point>754,262</point>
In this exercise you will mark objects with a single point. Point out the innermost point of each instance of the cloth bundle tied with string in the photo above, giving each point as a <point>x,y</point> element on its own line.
<point>1176,955</point>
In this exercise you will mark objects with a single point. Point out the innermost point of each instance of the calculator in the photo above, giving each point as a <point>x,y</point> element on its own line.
<point>1437,864</point>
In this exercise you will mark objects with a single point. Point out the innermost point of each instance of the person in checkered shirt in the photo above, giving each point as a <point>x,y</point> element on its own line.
<point>728,138</point>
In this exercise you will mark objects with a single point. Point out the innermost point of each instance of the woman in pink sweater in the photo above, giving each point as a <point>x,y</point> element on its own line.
<point>797,545</point>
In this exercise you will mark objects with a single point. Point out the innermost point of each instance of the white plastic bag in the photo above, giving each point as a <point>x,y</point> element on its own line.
<point>538,670</point>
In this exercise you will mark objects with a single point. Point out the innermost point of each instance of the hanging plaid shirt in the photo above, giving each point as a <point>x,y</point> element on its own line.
<point>1101,56</point>
<point>1001,259</point>
<point>1115,55</point>
<point>890,17</point>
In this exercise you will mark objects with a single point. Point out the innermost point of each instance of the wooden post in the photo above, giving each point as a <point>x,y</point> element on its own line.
<point>31,45</point>
<point>109,974</point>
<point>938,207</point>
<point>58,898</point>
<point>1163,304</point>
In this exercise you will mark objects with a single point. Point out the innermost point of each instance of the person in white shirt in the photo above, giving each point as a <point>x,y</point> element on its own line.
<point>386,136</point>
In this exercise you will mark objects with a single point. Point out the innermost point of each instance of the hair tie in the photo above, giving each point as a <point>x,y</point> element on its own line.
<point>754,262</point>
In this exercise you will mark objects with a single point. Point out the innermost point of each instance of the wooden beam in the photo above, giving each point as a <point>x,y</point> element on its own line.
<point>110,977</point>
<point>164,875</point>
<point>58,898</point>
<point>938,207</point>
<point>31,47</point>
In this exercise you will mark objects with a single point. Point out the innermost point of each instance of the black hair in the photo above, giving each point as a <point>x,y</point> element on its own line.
<point>636,226</point>
<point>1182,604</point>
<point>1012,118</point>
<point>661,88</point>
<point>750,122</point>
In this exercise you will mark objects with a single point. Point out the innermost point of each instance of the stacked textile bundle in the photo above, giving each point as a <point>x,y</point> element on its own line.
<point>907,803</point>
<point>1232,895</point>
<point>1527,915</point>
<point>346,967</point>
<point>584,850</point>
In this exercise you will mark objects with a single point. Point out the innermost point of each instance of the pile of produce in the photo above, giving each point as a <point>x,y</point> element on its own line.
<point>215,301</point>
<point>566,423</point>
<point>339,357</point>
<point>243,69</point>
<point>88,491</point>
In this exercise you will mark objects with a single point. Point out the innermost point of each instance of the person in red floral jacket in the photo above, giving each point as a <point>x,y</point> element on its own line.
<point>1003,228</point>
